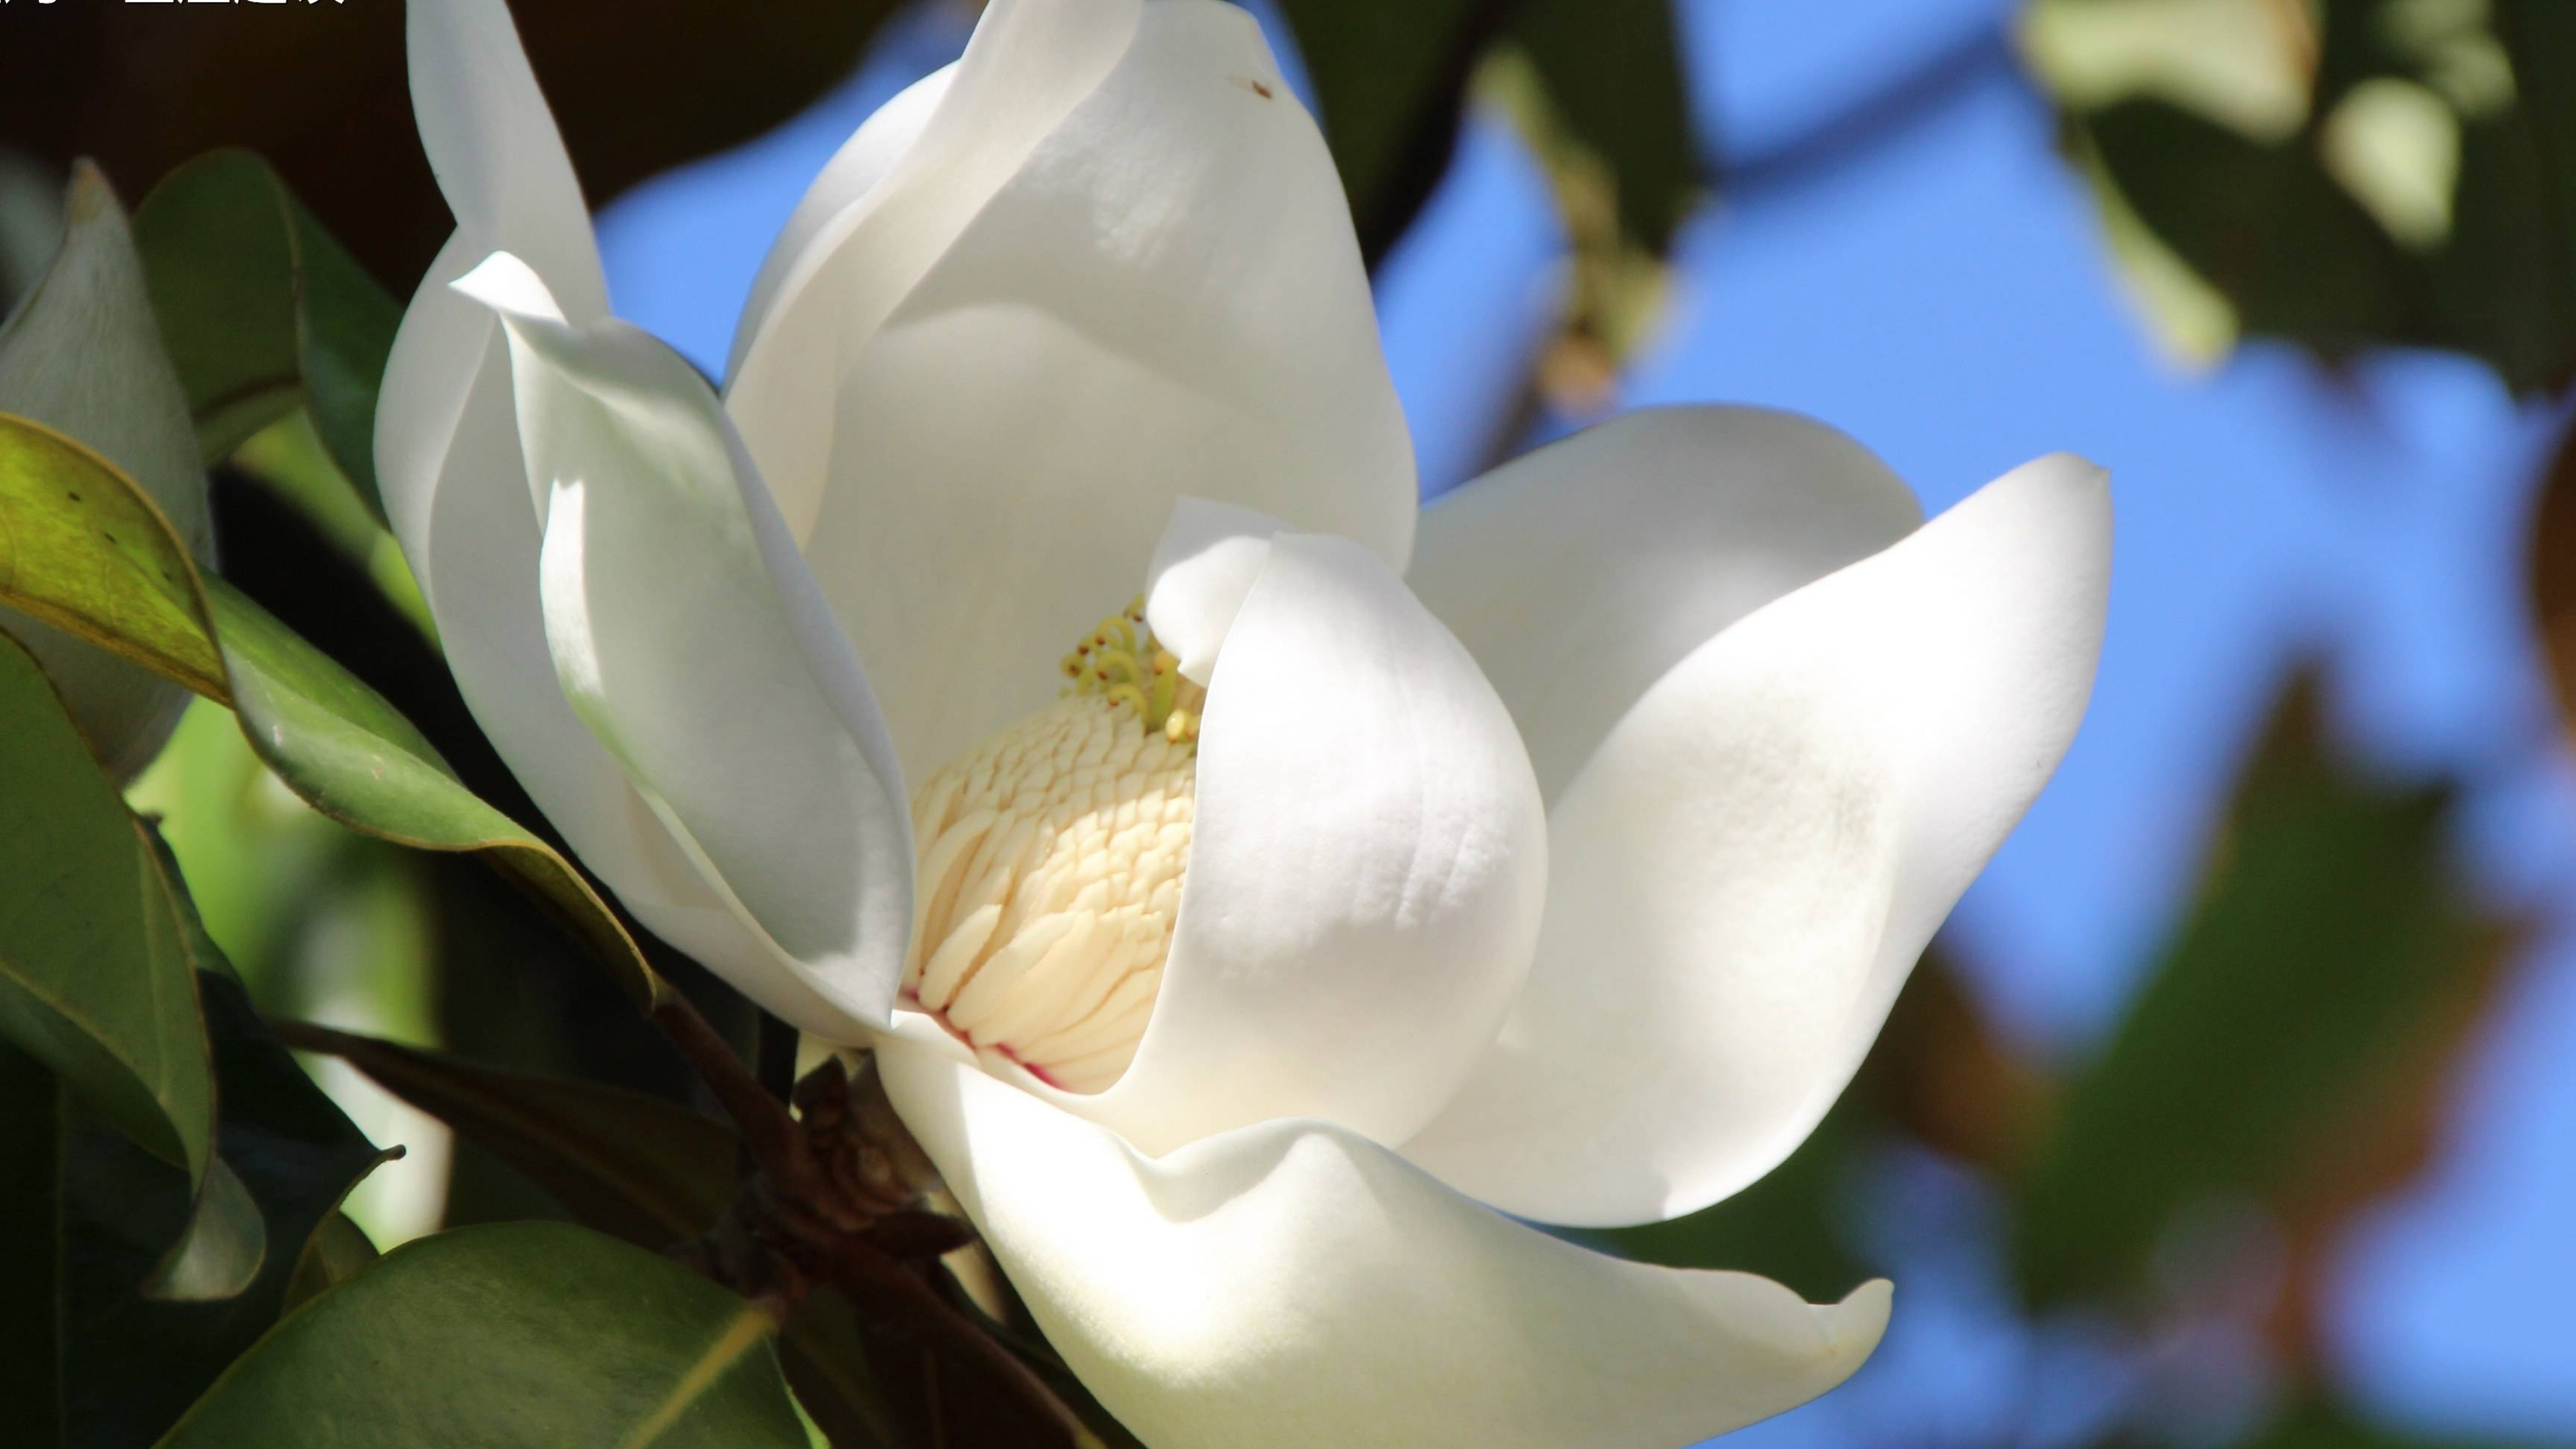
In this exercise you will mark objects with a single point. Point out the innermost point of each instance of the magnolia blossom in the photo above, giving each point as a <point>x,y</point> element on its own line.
<point>1252,957</point>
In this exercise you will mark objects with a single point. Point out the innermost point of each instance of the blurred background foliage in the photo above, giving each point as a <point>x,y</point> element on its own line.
<point>2141,1232</point>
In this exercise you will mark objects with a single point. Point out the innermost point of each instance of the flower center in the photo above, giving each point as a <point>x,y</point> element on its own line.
<point>1050,866</point>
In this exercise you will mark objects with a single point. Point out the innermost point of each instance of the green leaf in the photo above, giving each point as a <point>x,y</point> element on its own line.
<point>338,1251</point>
<point>137,1358</point>
<point>31,1224</point>
<point>2350,175</point>
<point>2328,940</point>
<point>1388,83</point>
<point>263,311</point>
<point>1612,72</point>
<point>83,357</point>
<point>526,1334</point>
<point>628,1165</point>
<point>80,548</point>
<point>288,459</point>
<point>96,977</point>
<point>824,1353</point>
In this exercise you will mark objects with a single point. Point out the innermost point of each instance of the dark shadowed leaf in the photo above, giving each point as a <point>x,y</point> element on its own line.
<point>2326,949</point>
<point>523,1336</point>
<point>2552,576</point>
<point>97,973</point>
<point>338,1251</point>
<point>1612,71</point>
<point>632,1166</point>
<point>83,550</point>
<point>263,312</point>
<point>137,1360</point>
<point>2317,1424</point>
<point>2357,174</point>
<point>1389,81</point>
<point>31,1228</point>
<point>637,86</point>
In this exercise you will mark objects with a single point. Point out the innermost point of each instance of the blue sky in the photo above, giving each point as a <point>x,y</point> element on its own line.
<point>1946,299</point>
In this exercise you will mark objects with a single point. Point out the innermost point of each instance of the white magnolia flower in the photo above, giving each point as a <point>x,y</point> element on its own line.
<point>1231,988</point>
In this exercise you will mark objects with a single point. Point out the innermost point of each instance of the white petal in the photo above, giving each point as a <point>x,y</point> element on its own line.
<point>501,166</point>
<point>1747,869</point>
<point>1114,268</point>
<point>686,632</point>
<point>492,142</point>
<point>448,457</point>
<point>844,181</point>
<point>1367,860</point>
<point>454,482</point>
<point>1207,562</point>
<point>83,356</point>
<point>1290,1284</point>
<point>1581,572</point>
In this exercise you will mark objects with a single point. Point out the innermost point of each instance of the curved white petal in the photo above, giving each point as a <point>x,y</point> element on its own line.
<point>1210,556</point>
<point>1751,862</point>
<point>492,141</point>
<point>501,166</point>
<point>1367,860</point>
<point>83,356</point>
<point>454,482</point>
<point>1114,267</point>
<point>1579,573</point>
<point>848,177</point>
<point>687,634</point>
<point>1290,1284</point>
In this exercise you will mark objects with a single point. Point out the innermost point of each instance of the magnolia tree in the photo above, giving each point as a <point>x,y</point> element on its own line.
<point>1232,926</point>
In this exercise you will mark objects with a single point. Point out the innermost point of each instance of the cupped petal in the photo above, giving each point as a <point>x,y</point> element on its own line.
<point>1578,574</point>
<point>1114,267</point>
<point>1747,868</point>
<point>686,632</point>
<point>449,462</point>
<point>83,355</point>
<point>845,180</point>
<point>1367,860</point>
<point>448,457</point>
<point>1293,1284</point>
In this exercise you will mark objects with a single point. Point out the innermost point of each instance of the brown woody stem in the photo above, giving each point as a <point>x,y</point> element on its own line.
<point>776,1145</point>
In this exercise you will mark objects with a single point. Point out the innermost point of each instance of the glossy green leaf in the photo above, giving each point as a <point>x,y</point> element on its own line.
<point>2329,934</point>
<point>137,1358</point>
<point>632,1166</point>
<point>96,977</point>
<point>83,549</point>
<point>520,1336</point>
<point>79,547</point>
<point>264,312</point>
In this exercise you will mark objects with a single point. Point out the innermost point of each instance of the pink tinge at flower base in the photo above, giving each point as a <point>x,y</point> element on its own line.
<point>1235,955</point>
